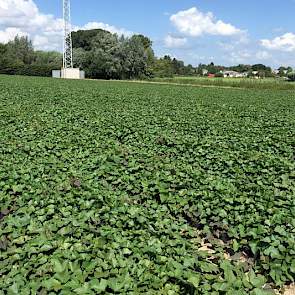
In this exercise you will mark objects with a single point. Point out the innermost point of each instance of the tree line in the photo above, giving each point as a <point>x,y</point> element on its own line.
<point>18,57</point>
<point>103,55</point>
<point>262,70</point>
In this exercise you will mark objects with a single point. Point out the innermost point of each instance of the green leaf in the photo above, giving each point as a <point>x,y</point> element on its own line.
<point>257,281</point>
<point>52,284</point>
<point>235,245</point>
<point>13,289</point>
<point>126,251</point>
<point>254,247</point>
<point>99,286</point>
<point>57,266</point>
<point>83,290</point>
<point>220,286</point>
<point>273,252</point>
<point>194,280</point>
<point>228,272</point>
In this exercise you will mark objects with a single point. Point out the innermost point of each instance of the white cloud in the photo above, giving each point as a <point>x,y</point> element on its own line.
<point>17,13</point>
<point>174,42</point>
<point>103,26</point>
<point>285,42</point>
<point>241,56</point>
<point>193,22</point>
<point>22,17</point>
<point>263,55</point>
<point>9,33</point>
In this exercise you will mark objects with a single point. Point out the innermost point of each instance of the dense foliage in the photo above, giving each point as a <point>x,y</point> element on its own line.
<point>18,57</point>
<point>169,67</point>
<point>104,55</point>
<point>112,187</point>
<point>291,76</point>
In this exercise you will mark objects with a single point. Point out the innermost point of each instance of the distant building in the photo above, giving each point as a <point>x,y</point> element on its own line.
<point>275,72</point>
<point>234,74</point>
<point>204,72</point>
<point>211,75</point>
<point>256,75</point>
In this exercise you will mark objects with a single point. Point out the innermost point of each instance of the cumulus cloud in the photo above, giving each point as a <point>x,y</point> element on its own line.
<point>174,41</point>
<point>9,33</point>
<point>17,13</point>
<point>240,56</point>
<point>285,42</point>
<point>23,18</point>
<point>195,23</point>
<point>263,55</point>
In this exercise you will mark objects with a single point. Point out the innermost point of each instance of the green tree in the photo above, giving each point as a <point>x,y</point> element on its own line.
<point>145,41</point>
<point>148,52</point>
<point>21,50</point>
<point>4,59</point>
<point>291,76</point>
<point>189,70</point>
<point>51,58</point>
<point>284,71</point>
<point>3,49</point>
<point>212,69</point>
<point>134,58</point>
<point>163,68</point>
<point>80,57</point>
<point>241,68</point>
<point>97,52</point>
<point>178,67</point>
<point>105,55</point>
<point>83,38</point>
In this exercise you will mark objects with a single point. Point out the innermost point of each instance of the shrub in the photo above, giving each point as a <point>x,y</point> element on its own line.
<point>28,70</point>
<point>219,75</point>
<point>291,76</point>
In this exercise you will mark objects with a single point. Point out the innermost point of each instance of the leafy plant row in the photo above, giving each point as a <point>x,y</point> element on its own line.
<point>118,188</point>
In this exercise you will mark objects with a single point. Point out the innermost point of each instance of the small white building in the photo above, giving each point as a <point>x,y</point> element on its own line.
<point>205,72</point>
<point>234,74</point>
<point>256,75</point>
<point>74,73</point>
<point>275,71</point>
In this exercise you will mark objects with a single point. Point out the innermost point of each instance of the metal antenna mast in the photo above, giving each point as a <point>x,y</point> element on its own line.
<point>68,47</point>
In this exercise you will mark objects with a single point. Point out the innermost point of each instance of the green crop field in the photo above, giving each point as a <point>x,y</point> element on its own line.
<point>126,188</point>
<point>248,83</point>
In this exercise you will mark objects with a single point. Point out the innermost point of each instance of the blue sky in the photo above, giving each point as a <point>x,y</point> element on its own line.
<point>225,32</point>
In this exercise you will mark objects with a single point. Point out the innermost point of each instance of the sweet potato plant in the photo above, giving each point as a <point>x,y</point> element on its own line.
<point>124,188</point>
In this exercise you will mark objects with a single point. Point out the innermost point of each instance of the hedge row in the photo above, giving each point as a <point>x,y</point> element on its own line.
<point>28,70</point>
